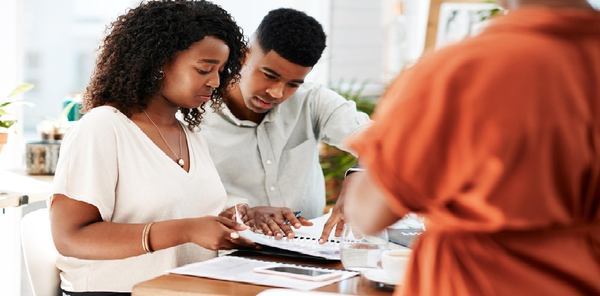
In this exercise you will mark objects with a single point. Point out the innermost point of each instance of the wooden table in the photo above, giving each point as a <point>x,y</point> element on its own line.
<point>174,284</point>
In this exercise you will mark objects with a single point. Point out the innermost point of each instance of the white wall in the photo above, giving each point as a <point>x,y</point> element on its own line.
<point>10,51</point>
<point>372,41</point>
<point>61,38</point>
<point>10,76</point>
<point>356,41</point>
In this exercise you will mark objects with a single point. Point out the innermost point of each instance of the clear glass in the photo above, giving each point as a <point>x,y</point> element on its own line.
<point>360,251</point>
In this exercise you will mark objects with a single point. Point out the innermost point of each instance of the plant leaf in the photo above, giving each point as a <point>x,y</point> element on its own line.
<point>6,123</point>
<point>20,89</point>
<point>28,104</point>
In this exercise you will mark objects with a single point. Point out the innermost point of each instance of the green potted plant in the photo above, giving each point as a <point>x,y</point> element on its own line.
<point>7,120</point>
<point>335,162</point>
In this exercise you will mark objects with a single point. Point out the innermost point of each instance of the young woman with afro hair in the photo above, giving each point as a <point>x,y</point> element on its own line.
<point>117,219</point>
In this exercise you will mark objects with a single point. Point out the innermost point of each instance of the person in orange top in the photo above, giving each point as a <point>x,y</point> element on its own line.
<point>496,142</point>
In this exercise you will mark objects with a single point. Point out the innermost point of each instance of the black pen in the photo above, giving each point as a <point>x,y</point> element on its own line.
<point>297,214</point>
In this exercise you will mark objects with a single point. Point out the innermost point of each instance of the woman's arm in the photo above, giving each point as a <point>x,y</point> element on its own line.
<point>79,231</point>
<point>366,206</point>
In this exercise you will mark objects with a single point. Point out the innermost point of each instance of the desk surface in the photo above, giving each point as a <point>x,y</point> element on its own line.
<point>16,185</point>
<point>174,284</point>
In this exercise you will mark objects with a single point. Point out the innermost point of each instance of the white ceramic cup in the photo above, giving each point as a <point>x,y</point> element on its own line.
<point>395,262</point>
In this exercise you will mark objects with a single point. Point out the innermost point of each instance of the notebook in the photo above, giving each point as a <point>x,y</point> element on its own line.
<point>306,246</point>
<point>306,242</point>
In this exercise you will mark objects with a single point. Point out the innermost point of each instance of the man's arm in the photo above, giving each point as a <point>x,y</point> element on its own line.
<point>337,119</point>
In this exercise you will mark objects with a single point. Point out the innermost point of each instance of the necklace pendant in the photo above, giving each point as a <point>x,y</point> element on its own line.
<point>181,162</point>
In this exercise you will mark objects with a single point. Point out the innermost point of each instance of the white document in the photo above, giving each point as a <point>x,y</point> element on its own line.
<point>317,228</point>
<point>410,221</point>
<point>306,240</point>
<point>238,269</point>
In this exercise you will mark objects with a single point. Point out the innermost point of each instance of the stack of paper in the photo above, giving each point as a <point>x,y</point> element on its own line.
<point>306,241</point>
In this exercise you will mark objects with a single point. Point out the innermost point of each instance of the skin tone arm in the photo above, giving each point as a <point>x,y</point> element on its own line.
<point>366,206</point>
<point>336,220</point>
<point>78,231</point>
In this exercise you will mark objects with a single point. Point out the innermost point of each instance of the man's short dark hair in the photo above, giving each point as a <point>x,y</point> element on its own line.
<point>294,35</point>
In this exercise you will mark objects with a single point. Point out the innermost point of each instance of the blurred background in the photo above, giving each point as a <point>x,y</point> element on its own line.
<point>54,43</point>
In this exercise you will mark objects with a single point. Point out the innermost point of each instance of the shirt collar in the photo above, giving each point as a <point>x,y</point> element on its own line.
<point>229,116</point>
<point>272,115</point>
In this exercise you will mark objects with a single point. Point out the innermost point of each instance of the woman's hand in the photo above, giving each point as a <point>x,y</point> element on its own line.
<point>242,216</point>
<point>216,233</point>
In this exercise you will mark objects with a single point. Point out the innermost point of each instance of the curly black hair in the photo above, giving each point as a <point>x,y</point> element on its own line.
<point>143,40</point>
<point>293,34</point>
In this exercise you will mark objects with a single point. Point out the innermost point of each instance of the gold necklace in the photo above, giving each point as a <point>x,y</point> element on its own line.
<point>178,159</point>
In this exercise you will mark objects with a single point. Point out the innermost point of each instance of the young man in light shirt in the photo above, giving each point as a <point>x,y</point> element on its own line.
<point>265,139</point>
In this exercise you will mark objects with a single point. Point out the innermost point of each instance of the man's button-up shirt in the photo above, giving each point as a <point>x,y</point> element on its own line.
<point>276,162</point>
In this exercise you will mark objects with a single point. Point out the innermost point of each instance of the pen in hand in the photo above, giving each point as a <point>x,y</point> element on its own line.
<point>297,214</point>
<point>237,219</point>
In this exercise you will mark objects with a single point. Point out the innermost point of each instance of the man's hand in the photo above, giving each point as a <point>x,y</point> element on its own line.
<point>275,221</point>
<point>337,214</point>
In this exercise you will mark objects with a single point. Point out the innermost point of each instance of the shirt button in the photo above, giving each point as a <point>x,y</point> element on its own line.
<point>269,161</point>
<point>272,188</point>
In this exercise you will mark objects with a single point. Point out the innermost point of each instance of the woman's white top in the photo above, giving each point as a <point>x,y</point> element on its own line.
<point>107,161</point>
